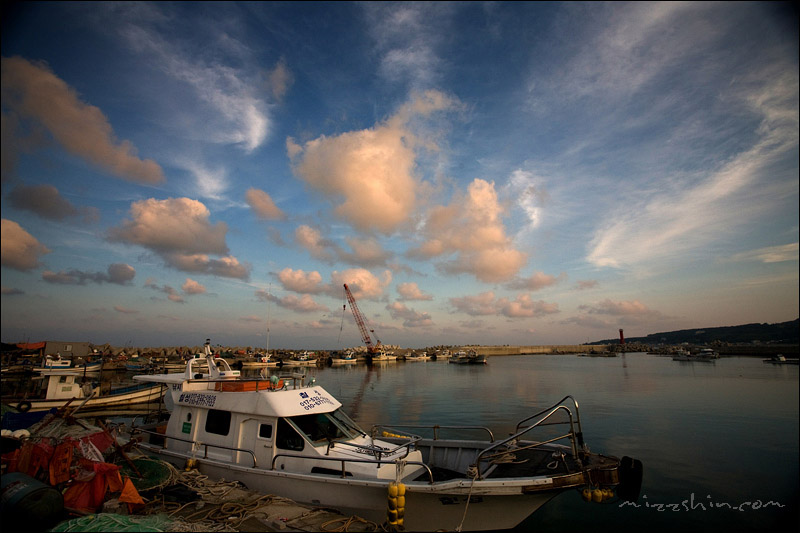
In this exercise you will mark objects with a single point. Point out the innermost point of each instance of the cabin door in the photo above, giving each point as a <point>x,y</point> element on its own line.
<point>256,435</point>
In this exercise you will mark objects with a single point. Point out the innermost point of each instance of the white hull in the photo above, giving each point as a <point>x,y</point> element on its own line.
<point>428,507</point>
<point>149,394</point>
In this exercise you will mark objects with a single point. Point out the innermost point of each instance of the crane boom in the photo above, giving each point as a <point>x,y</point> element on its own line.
<point>361,321</point>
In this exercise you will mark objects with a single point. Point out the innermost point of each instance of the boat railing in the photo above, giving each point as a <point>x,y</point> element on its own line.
<point>435,428</point>
<point>206,445</point>
<point>345,461</point>
<point>575,437</point>
<point>376,451</point>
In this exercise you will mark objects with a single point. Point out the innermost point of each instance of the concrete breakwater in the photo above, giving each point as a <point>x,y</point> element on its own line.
<point>549,349</point>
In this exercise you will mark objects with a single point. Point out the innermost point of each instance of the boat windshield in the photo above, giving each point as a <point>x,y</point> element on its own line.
<point>323,427</point>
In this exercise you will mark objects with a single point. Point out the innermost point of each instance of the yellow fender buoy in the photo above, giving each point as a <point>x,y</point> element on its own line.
<point>396,503</point>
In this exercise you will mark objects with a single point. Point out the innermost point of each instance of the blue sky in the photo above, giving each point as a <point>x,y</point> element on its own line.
<point>492,173</point>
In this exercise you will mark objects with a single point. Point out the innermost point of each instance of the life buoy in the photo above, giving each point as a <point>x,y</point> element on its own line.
<point>24,406</point>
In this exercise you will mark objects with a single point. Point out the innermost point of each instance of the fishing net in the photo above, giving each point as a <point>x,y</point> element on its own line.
<point>154,473</point>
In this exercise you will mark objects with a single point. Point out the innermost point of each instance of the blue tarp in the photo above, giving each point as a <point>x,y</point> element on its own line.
<point>15,421</point>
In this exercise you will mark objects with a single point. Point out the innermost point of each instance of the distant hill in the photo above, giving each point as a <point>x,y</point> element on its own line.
<point>781,333</point>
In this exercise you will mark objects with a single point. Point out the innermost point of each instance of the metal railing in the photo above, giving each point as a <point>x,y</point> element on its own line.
<point>575,438</point>
<point>435,428</point>
<point>198,443</point>
<point>376,451</point>
<point>345,461</point>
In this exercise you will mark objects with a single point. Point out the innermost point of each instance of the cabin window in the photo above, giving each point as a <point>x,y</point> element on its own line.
<point>265,431</point>
<point>288,438</point>
<point>324,427</point>
<point>218,422</point>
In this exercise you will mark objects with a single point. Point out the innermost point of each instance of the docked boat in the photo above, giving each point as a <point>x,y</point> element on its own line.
<point>470,357</point>
<point>61,386</point>
<point>259,361</point>
<point>301,359</point>
<point>706,355</point>
<point>381,356</point>
<point>780,359</point>
<point>288,436</point>
<point>348,357</point>
<point>417,356</point>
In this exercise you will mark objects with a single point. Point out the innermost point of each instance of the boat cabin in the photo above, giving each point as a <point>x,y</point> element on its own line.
<point>62,384</point>
<point>281,423</point>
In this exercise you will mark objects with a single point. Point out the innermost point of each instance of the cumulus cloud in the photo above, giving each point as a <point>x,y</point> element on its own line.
<point>10,291</point>
<point>311,239</point>
<point>19,249</point>
<point>535,282</point>
<point>31,91</point>
<point>370,173</point>
<point>171,292</point>
<point>523,306</point>
<point>301,281</point>
<point>471,227</point>
<point>117,273</point>
<point>411,318</point>
<point>362,283</point>
<point>262,205</point>
<point>586,284</point>
<point>193,287</point>
<point>179,230</point>
<point>476,305</point>
<point>280,79</point>
<point>411,291</point>
<point>125,310</point>
<point>45,201</point>
<point>631,308</point>
<point>300,304</point>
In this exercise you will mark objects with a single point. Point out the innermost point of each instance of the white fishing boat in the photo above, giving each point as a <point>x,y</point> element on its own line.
<point>61,386</point>
<point>301,359</point>
<point>706,355</point>
<point>259,361</point>
<point>381,356</point>
<point>417,356</point>
<point>470,357</point>
<point>288,436</point>
<point>347,358</point>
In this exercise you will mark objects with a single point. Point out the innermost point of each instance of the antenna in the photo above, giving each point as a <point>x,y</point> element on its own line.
<point>269,290</point>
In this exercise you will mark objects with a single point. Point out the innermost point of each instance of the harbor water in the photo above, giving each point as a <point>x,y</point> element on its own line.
<point>718,440</point>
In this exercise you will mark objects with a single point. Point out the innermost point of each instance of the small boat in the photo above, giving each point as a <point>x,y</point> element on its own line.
<point>259,361</point>
<point>287,435</point>
<point>348,357</point>
<point>301,359</point>
<point>417,356</point>
<point>470,357</point>
<point>705,355</point>
<point>780,359</point>
<point>381,356</point>
<point>61,387</point>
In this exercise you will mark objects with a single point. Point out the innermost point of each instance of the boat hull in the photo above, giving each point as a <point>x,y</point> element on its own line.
<point>493,505</point>
<point>142,395</point>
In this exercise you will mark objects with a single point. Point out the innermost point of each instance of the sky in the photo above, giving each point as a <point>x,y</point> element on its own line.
<point>521,173</point>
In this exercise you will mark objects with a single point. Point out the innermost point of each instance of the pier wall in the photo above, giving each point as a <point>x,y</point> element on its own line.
<point>548,349</point>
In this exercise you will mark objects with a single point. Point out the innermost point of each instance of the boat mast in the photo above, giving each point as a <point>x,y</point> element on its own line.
<point>268,318</point>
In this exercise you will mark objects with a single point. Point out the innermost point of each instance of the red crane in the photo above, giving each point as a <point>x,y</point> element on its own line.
<point>362,323</point>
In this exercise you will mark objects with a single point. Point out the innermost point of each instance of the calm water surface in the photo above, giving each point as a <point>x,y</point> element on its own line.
<point>719,440</point>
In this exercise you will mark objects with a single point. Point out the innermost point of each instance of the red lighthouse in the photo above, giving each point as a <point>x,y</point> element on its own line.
<point>621,337</point>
